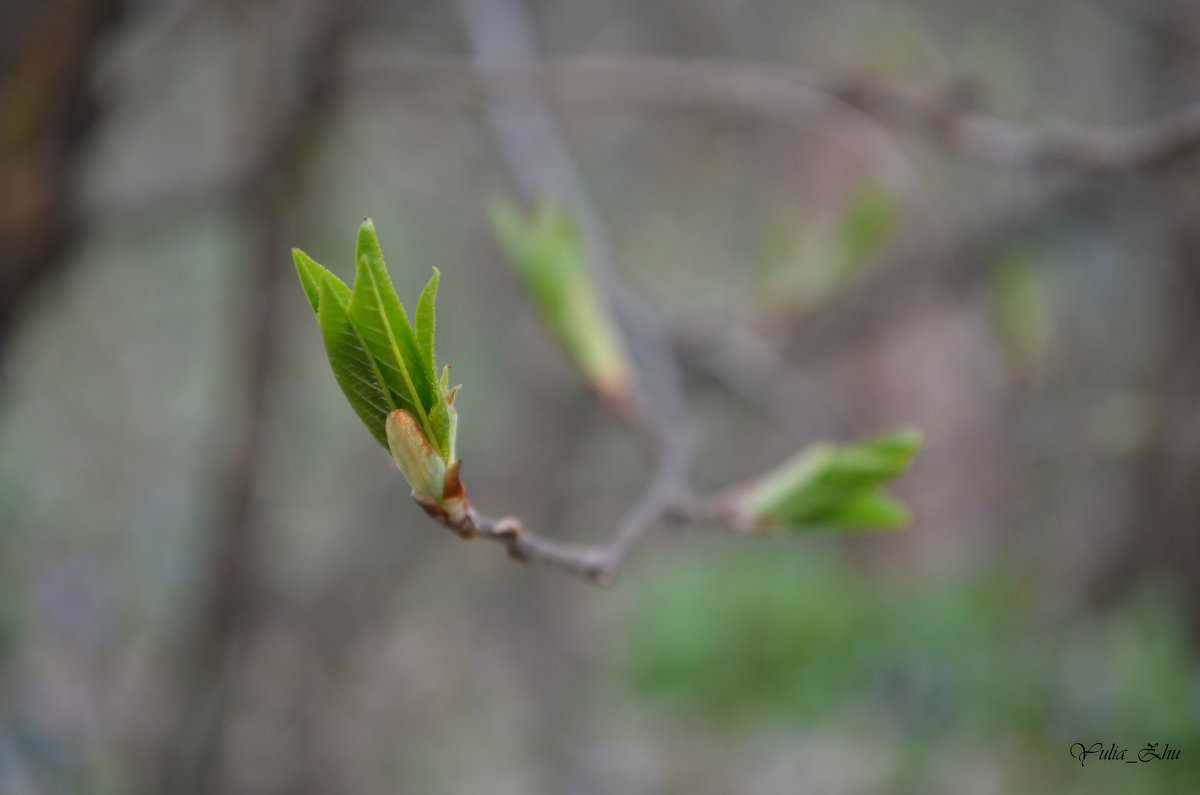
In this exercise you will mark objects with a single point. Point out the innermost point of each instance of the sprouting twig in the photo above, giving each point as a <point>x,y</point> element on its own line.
<point>535,154</point>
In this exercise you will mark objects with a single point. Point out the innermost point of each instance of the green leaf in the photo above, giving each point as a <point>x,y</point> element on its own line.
<point>873,509</point>
<point>547,253</point>
<point>380,361</point>
<point>311,275</point>
<point>382,324</point>
<point>427,323</point>
<point>353,367</point>
<point>444,420</point>
<point>833,487</point>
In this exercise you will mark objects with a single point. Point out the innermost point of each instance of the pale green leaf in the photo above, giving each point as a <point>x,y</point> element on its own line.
<point>546,250</point>
<point>426,323</point>
<point>827,486</point>
<point>444,420</point>
<point>872,509</point>
<point>311,275</point>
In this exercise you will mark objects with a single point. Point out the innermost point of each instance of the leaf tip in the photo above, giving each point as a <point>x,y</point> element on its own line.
<point>367,244</point>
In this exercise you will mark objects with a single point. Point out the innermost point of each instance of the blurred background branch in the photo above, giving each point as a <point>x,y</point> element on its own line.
<point>947,115</point>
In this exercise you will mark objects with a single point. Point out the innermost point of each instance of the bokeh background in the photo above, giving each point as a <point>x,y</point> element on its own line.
<point>212,579</point>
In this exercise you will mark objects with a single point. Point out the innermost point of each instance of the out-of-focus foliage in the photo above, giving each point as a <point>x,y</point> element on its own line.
<point>756,636</point>
<point>9,623</point>
<point>1124,423</point>
<point>545,249</point>
<point>1019,309</point>
<point>827,486</point>
<point>811,263</point>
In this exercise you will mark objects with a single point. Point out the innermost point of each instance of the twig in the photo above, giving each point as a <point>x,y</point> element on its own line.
<point>666,499</point>
<point>536,155</point>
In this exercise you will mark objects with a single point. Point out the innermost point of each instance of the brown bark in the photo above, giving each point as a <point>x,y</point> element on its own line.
<point>46,112</point>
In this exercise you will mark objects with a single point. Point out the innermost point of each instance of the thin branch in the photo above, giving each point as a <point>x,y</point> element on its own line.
<point>784,91</point>
<point>669,496</point>
<point>537,157</point>
<point>600,563</point>
<point>577,559</point>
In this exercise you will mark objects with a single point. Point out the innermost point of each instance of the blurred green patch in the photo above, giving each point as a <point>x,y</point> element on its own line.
<point>1021,313</point>
<point>830,487</point>
<point>9,624</point>
<point>808,262</point>
<point>767,637</point>
<point>547,251</point>
<point>1124,423</point>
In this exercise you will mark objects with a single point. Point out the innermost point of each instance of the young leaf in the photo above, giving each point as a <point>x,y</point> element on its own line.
<point>547,253</point>
<point>445,422</point>
<point>311,274</point>
<point>427,323</point>
<point>380,319</point>
<point>832,487</point>
<point>386,369</point>
<point>352,367</point>
<point>356,372</point>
